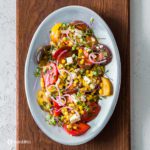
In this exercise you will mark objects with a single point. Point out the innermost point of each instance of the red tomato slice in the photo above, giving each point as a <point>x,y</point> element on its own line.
<point>103,49</point>
<point>87,61</point>
<point>93,112</point>
<point>81,129</point>
<point>50,75</point>
<point>80,25</point>
<point>56,105</point>
<point>56,112</point>
<point>59,51</point>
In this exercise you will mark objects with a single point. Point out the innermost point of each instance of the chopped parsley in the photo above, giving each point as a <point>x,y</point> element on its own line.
<point>87,108</point>
<point>95,73</point>
<point>73,48</point>
<point>51,120</point>
<point>37,72</point>
<point>91,21</point>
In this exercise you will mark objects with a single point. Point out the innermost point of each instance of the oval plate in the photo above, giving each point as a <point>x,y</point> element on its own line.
<point>41,37</point>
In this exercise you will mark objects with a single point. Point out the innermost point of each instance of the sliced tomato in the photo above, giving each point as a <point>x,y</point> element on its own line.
<point>80,25</point>
<point>87,61</point>
<point>59,51</point>
<point>56,112</point>
<point>94,109</point>
<point>56,105</point>
<point>50,74</point>
<point>103,50</point>
<point>81,129</point>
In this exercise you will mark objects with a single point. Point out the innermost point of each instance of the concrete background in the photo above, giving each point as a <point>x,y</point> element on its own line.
<point>140,74</point>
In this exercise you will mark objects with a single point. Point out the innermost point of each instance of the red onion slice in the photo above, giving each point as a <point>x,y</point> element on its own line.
<point>69,97</point>
<point>59,57</point>
<point>92,56</point>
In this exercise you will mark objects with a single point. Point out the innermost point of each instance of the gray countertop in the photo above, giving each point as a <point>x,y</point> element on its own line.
<point>140,78</point>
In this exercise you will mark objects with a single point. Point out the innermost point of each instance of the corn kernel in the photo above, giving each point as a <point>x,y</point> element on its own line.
<point>63,110</point>
<point>69,126</point>
<point>70,43</point>
<point>80,51</point>
<point>87,71</point>
<point>80,107</point>
<point>88,98</point>
<point>75,127</point>
<point>42,83</point>
<point>64,38</point>
<point>63,61</point>
<point>76,81</point>
<point>60,66</point>
<point>79,76</point>
<point>82,61</point>
<point>65,113</point>
<point>62,118</point>
<point>98,82</point>
<point>100,92</point>
<point>81,112</point>
<point>72,111</point>
<point>67,118</point>
<point>71,69</point>
<point>101,84</point>
<point>71,105</point>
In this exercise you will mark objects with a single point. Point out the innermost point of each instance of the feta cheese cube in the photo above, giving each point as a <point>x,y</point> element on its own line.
<point>83,98</point>
<point>47,94</point>
<point>69,60</point>
<point>86,79</point>
<point>73,75</point>
<point>78,33</point>
<point>75,118</point>
<point>77,70</point>
<point>92,86</point>
<point>74,98</point>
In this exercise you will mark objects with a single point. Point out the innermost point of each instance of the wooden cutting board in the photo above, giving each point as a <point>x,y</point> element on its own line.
<point>116,135</point>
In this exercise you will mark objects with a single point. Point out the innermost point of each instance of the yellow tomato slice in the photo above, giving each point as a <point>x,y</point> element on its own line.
<point>107,88</point>
<point>55,32</point>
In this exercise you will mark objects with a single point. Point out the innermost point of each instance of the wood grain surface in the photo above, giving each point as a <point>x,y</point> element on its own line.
<point>116,135</point>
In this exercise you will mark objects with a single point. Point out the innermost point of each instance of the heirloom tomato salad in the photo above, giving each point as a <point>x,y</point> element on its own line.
<point>72,76</point>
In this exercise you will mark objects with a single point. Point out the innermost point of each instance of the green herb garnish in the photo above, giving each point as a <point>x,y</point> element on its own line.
<point>74,48</point>
<point>95,73</point>
<point>79,103</point>
<point>37,72</point>
<point>91,21</point>
<point>50,119</point>
<point>87,108</point>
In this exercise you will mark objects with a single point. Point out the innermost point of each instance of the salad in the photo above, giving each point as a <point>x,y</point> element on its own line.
<point>72,76</point>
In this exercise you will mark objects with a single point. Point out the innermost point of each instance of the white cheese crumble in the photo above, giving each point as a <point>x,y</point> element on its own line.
<point>69,60</point>
<point>86,79</point>
<point>73,75</point>
<point>92,86</point>
<point>93,39</point>
<point>74,118</point>
<point>78,33</point>
<point>83,98</point>
<point>47,93</point>
<point>74,98</point>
